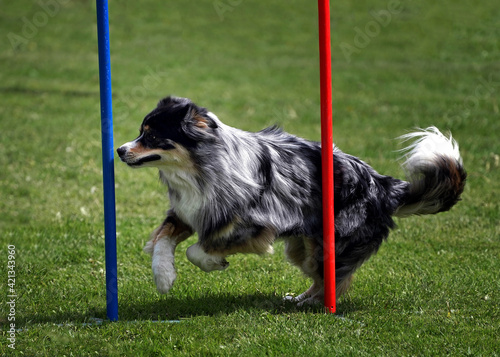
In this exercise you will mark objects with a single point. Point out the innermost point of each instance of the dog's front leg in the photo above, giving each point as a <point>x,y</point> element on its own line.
<point>162,246</point>
<point>204,261</point>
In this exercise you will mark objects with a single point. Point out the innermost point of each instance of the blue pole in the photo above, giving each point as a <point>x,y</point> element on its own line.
<point>107,159</point>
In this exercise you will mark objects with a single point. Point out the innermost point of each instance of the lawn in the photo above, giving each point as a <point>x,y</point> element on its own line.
<point>433,289</point>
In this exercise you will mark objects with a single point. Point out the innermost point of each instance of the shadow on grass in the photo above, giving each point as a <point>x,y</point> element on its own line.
<point>206,305</point>
<point>174,308</point>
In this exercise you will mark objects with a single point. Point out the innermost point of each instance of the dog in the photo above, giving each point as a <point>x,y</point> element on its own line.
<point>240,191</point>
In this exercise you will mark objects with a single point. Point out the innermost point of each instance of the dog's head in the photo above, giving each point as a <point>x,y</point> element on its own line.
<point>170,134</point>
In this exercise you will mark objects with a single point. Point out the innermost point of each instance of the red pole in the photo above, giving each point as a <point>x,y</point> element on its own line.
<point>325,64</point>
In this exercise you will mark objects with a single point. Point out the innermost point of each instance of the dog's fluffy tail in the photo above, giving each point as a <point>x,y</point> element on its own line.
<point>435,172</point>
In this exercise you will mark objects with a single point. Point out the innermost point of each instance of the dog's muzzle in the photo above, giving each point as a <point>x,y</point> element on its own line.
<point>131,160</point>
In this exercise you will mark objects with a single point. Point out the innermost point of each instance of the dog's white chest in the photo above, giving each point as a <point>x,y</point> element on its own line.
<point>185,197</point>
<point>187,207</point>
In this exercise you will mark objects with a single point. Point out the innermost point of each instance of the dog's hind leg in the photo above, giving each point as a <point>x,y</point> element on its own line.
<point>162,249</point>
<point>306,254</point>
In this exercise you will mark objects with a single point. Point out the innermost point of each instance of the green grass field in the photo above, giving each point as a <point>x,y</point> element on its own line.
<point>432,290</point>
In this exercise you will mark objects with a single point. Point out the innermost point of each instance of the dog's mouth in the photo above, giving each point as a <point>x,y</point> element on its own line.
<point>154,157</point>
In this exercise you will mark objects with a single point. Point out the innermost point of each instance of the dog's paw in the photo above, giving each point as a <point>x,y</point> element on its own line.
<point>204,261</point>
<point>163,265</point>
<point>314,295</point>
<point>289,298</point>
<point>164,278</point>
<point>310,301</point>
<point>214,263</point>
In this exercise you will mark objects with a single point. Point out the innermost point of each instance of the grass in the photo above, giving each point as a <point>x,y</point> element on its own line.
<point>432,289</point>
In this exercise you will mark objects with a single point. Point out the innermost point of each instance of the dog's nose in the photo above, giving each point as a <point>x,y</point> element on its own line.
<point>121,151</point>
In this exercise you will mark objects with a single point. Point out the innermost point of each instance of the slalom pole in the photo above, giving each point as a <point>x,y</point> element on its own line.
<point>325,59</point>
<point>107,160</point>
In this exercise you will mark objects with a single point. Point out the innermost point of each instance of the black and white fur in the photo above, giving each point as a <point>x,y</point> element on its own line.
<point>240,191</point>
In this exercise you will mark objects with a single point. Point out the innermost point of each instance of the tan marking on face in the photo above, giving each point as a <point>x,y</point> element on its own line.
<point>179,157</point>
<point>137,148</point>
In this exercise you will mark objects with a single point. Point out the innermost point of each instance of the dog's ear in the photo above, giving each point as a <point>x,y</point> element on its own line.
<point>199,126</point>
<point>202,121</point>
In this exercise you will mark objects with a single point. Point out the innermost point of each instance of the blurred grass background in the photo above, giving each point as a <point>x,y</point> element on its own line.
<point>432,289</point>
